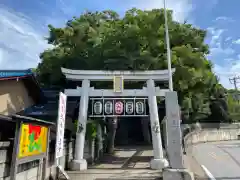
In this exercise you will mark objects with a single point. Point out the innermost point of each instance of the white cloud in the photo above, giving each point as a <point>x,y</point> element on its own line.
<point>220,51</point>
<point>223,75</point>
<point>226,72</point>
<point>236,65</point>
<point>215,35</point>
<point>228,38</point>
<point>225,65</point>
<point>236,41</point>
<point>230,69</point>
<point>181,8</point>
<point>20,42</point>
<point>224,18</point>
<point>230,60</point>
<point>216,47</point>
<point>221,18</point>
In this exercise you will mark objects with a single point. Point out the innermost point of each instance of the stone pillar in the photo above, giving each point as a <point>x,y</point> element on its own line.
<point>158,162</point>
<point>78,162</point>
<point>174,144</point>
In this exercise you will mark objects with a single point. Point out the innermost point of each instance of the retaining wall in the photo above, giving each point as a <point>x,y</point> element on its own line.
<point>209,132</point>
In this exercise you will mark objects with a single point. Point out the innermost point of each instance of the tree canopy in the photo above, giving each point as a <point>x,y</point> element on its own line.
<point>106,41</point>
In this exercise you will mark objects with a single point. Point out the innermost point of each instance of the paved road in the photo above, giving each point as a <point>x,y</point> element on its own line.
<point>221,160</point>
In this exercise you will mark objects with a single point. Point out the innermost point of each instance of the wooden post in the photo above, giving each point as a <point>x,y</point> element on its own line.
<point>45,160</point>
<point>14,163</point>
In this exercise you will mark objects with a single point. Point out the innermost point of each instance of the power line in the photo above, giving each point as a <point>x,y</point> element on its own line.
<point>234,81</point>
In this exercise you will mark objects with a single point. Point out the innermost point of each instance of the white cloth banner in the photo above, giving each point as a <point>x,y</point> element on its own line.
<point>61,125</point>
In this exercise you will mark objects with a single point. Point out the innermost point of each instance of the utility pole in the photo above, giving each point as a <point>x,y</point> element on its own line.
<point>234,81</point>
<point>168,48</point>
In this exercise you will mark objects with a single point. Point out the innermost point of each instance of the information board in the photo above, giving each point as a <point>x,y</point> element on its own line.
<point>118,84</point>
<point>33,140</point>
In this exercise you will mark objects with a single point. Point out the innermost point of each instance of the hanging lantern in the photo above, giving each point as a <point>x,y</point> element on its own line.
<point>118,107</point>
<point>98,107</point>
<point>108,107</point>
<point>139,107</point>
<point>129,107</point>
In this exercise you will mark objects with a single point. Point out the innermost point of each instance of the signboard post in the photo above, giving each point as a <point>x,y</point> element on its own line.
<point>30,143</point>
<point>59,152</point>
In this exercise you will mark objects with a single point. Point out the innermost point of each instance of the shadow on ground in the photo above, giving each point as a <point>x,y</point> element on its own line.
<point>143,178</point>
<point>116,175</point>
<point>134,148</point>
<point>134,167</point>
<point>125,161</point>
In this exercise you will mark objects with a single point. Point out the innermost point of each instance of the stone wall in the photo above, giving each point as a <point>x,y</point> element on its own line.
<point>209,132</point>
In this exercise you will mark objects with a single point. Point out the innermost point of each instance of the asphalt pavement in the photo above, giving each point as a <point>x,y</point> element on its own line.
<point>219,160</point>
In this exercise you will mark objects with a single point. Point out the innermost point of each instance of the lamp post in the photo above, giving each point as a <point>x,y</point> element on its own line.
<point>168,48</point>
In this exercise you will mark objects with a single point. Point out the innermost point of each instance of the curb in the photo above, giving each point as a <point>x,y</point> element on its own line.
<point>210,176</point>
<point>195,167</point>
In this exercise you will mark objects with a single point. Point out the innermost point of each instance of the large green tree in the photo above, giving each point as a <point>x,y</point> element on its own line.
<point>104,40</point>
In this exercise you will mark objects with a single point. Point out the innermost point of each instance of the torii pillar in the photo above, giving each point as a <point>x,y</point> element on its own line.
<point>79,163</point>
<point>158,162</point>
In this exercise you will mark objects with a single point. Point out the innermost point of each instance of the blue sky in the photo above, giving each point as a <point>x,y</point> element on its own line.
<point>23,26</point>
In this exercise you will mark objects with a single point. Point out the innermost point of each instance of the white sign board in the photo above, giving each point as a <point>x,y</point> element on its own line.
<point>61,125</point>
<point>174,135</point>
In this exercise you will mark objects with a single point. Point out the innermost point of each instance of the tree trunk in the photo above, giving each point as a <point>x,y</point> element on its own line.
<point>112,128</point>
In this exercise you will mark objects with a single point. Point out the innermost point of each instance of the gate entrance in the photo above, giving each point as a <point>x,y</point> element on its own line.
<point>130,132</point>
<point>117,102</point>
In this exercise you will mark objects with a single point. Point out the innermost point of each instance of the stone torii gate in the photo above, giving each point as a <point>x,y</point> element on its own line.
<point>84,92</point>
